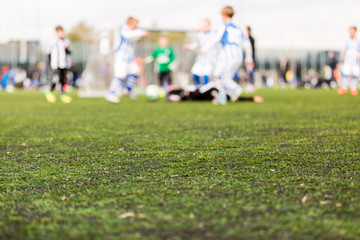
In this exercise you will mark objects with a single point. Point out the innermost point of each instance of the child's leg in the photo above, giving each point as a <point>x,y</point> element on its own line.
<point>115,83</point>
<point>345,82</point>
<point>221,97</point>
<point>196,73</point>
<point>207,95</point>
<point>54,80</point>
<point>131,82</point>
<point>165,80</point>
<point>169,80</point>
<point>349,71</point>
<point>176,92</point>
<point>251,77</point>
<point>354,83</point>
<point>246,99</point>
<point>134,72</point>
<point>231,87</point>
<point>355,78</point>
<point>62,79</point>
<point>229,84</point>
<point>121,71</point>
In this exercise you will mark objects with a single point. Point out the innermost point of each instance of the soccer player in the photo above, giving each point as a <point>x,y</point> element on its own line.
<point>232,40</point>
<point>251,86</point>
<point>59,62</point>
<point>207,92</point>
<point>351,58</point>
<point>204,64</point>
<point>165,58</point>
<point>126,68</point>
<point>332,62</point>
<point>4,78</point>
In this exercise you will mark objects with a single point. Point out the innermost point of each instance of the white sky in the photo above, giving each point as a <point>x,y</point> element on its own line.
<point>276,23</point>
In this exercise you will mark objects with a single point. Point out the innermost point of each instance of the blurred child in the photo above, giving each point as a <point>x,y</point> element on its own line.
<point>204,64</point>
<point>251,86</point>
<point>164,56</point>
<point>208,92</point>
<point>5,77</point>
<point>351,58</point>
<point>59,62</point>
<point>33,75</point>
<point>232,40</point>
<point>126,69</point>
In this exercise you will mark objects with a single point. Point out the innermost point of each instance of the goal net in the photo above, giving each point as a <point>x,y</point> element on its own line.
<point>98,71</point>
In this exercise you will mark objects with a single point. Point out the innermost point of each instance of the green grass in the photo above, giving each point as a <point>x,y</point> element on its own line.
<point>182,171</point>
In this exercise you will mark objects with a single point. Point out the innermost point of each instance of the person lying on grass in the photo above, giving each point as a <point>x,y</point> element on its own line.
<point>208,92</point>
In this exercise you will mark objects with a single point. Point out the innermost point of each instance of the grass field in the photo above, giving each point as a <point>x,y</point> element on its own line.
<point>285,169</point>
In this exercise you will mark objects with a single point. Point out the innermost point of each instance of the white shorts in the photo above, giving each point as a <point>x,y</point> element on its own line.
<point>227,68</point>
<point>202,69</point>
<point>123,67</point>
<point>351,70</point>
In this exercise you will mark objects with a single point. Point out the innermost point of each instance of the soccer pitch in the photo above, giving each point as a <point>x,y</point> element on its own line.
<point>285,169</point>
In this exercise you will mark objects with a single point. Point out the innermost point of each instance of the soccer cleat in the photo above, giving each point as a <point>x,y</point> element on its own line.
<point>222,100</point>
<point>112,98</point>
<point>237,92</point>
<point>354,92</point>
<point>50,97</point>
<point>174,98</point>
<point>66,99</point>
<point>341,91</point>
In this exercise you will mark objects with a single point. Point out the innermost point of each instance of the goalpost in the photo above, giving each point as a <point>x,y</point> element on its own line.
<point>98,71</point>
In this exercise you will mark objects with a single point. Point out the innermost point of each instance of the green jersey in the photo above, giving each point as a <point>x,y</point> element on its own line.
<point>164,57</point>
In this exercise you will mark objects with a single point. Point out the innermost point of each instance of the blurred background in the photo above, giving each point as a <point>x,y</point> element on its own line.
<point>297,42</point>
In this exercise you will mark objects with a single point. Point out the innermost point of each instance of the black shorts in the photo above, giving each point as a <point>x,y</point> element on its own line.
<point>165,77</point>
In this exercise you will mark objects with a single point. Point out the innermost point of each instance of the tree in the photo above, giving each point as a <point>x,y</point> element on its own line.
<point>81,33</point>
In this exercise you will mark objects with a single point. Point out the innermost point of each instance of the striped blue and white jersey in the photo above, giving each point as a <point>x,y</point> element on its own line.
<point>352,51</point>
<point>202,38</point>
<point>126,45</point>
<point>233,41</point>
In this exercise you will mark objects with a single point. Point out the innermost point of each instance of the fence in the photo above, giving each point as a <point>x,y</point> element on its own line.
<point>268,60</point>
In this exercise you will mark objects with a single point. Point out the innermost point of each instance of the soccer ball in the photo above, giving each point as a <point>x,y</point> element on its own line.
<point>152,92</point>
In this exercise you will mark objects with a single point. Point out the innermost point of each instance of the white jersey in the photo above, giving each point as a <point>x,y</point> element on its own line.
<point>125,50</point>
<point>60,54</point>
<point>202,38</point>
<point>233,41</point>
<point>352,51</point>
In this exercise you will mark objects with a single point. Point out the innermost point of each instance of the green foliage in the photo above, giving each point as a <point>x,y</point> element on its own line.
<point>81,33</point>
<point>174,37</point>
<point>285,169</point>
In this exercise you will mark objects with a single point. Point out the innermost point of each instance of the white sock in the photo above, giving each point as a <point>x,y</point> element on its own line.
<point>354,83</point>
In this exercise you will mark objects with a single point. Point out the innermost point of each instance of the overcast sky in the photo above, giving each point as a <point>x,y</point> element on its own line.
<point>276,23</point>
